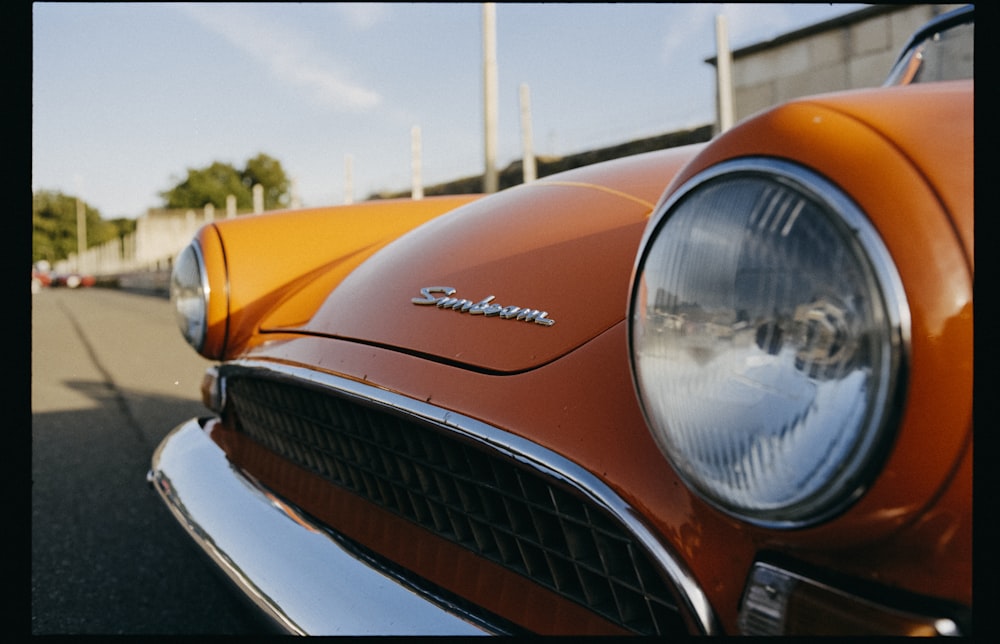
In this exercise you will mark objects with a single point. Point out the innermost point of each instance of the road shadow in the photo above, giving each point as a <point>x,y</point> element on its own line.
<point>106,556</point>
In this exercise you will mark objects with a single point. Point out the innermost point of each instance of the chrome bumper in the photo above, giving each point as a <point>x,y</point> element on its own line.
<point>301,576</point>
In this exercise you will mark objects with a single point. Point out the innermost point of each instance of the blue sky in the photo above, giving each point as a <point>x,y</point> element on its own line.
<point>126,97</point>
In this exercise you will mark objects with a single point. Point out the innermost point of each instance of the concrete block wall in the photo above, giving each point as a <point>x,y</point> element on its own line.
<point>850,52</point>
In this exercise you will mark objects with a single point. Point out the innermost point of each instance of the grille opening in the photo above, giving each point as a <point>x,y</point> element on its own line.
<point>462,491</point>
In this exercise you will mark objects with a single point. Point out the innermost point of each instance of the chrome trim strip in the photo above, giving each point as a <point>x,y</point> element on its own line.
<point>272,553</point>
<point>693,601</point>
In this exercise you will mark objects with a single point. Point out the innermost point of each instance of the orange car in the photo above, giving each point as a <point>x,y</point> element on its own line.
<point>717,389</point>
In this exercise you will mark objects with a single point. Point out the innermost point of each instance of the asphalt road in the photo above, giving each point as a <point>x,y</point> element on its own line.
<point>110,377</point>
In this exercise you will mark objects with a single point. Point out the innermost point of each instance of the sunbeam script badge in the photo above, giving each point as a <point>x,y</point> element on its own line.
<point>430,296</point>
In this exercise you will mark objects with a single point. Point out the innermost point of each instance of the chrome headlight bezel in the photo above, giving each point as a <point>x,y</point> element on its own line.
<point>189,293</point>
<point>745,447</point>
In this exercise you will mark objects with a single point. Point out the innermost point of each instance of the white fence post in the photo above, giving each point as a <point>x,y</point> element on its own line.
<point>348,179</point>
<point>258,198</point>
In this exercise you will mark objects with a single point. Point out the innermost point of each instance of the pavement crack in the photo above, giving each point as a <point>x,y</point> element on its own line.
<point>107,380</point>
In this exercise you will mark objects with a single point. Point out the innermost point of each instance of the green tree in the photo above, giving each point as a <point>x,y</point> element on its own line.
<point>54,226</point>
<point>267,171</point>
<point>211,185</point>
<point>214,184</point>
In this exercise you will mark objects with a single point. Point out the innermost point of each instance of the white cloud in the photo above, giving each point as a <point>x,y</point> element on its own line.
<point>288,56</point>
<point>362,15</point>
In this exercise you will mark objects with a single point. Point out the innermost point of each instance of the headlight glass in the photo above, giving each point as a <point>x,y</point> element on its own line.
<point>189,295</point>
<point>767,332</point>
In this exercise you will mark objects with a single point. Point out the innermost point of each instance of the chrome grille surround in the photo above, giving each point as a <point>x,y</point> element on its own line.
<point>505,498</point>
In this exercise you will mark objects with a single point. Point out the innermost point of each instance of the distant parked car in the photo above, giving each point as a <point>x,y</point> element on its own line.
<point>721,389</point>
<point>73,280</point>
<point>39,280</point>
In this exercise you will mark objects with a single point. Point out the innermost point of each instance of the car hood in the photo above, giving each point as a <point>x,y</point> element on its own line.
<point>563,246</point>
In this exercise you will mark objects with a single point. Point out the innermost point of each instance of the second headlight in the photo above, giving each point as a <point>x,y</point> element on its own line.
<point>767,336</point>
<point>189,294</point>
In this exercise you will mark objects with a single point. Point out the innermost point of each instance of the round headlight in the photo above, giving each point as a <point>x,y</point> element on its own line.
<point>767,332</point>
<point>189,295</point>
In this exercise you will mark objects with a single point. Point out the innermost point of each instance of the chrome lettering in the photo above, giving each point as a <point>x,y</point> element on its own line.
<point>441,296</point>
<point>482,306</point>
<point>454,303</point>
<point>538,317</point>
<point>430,299</point>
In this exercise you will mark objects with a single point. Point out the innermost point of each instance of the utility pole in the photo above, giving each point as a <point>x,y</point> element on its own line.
<point>528,168</point>
<point>491,182</point>
<point>417,191</point>
<point>81,233</point>
<point>724,77</point>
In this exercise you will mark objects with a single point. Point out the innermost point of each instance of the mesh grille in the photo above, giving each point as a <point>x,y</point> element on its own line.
<point>486,502</point>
